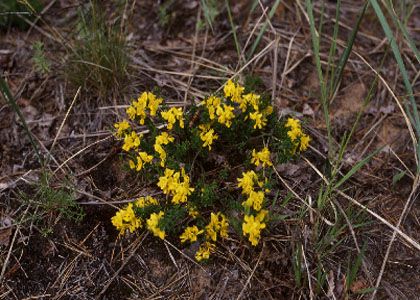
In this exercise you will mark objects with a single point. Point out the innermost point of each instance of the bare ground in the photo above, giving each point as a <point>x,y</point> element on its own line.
<point>44,256</point>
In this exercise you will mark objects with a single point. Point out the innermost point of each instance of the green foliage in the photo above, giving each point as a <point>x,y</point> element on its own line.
<point>210,10</point>
<point>42,65</point>
<point>61,200</point>
<point>99,60</point>
<point>205,195</point>
<point>173,216</point>
<point>213,163</point>
<point>354,266</point>
<point>297,264</point>
<point>13,12</point>
<point>164,12</point>
<point>397,177</point>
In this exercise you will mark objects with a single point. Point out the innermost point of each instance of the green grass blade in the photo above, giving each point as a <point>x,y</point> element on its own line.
<point>356,168</point>
<point>316,45</point>
<point>346,54</point>
<point>414,115</point>
<point>355,266</point>
<point>263,29</point>
<point>404,30</point>
<point>237,46</point>
<point>333,48</point>
<point>5,91</point>
<point>210,11</point>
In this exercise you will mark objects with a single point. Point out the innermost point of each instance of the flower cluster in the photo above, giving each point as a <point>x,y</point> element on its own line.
<point>163,139</point>
<point>218,224</point>
<point>262,157</point>
<point>298,138</point>
<point>171,147</point>
<point>190,234</point>
<point>153,224</point>
<point>207,135</point>
<point>252,226</point>
<point>127,219</point>
<point>138,109</point>
<point>172,115</point>
<point>171,184</point>
<point>204,251</point>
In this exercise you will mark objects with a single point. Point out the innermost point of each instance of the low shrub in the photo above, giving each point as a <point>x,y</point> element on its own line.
<point>213,163</point>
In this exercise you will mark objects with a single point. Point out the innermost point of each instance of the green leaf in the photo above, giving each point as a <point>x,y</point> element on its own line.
<point>346,54</point>
<point>5,91</point>
<point>398,177</point>
<point>390,36</point>
<point>356,168</point>
<point>263,29</point>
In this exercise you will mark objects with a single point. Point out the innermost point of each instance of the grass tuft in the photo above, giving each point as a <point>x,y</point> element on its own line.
<point>13,12</point>
<point>99,60</point>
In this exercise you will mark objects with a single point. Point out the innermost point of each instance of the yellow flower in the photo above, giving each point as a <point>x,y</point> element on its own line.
<point>262,157</point>
<point>153,224</point>
<point>131,112</point>
<point>247,182</point>
<point>142,158</point>
<point>140,106</point>
<point>163,139</point>
<point>252,226</point>
<point>261,215</point>
<point>153,103</point>
<point>259,118</point>
<point>304,142</point>
<point>300,139</point>
<point>166,181</point>
<point>225,114</point>
<point>255,200</point>
<point>216,226</point>
<point>233,91</point>
<point>125,219</point>
<point>268,110</point>
<point>121,127</point>
<point>172,115</point>
<point>182,190</point>
<point>212,103</point>
<point>145,201</point>
<point>170,183</point>
<point>207,135</point>
<point>250,99</point>
<point>193,213</point>
<point>223,226</point>
<point>295,129</point>
<point>190,234</point>
<point>212,227</point>
<point>131,141</point>
<point>204,251</point>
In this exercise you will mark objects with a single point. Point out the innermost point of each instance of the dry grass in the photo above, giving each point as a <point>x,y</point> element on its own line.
<point>309,251</point>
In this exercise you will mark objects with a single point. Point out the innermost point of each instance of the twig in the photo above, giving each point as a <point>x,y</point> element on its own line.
<point>394,235</point>
<point>139,242</point>
<point>408,239</point>
<point>65,118</point>
<point>250,276</point>
<point>311,291</point>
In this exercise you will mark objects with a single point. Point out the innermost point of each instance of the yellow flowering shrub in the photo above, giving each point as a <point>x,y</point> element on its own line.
<point>188,153</point>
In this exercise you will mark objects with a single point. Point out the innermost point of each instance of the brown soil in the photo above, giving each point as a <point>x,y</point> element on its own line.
<point>48,257</point>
